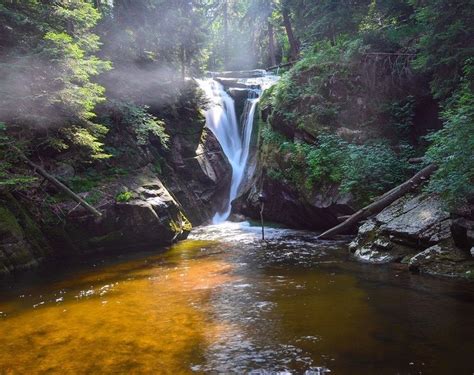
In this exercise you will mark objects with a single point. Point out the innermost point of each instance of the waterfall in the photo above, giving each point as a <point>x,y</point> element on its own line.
<point>234,137</point>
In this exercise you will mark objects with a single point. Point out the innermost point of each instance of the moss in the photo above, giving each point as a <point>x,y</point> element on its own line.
<point>9,223</point>
<point>23,226</point>
<point>181,224</point>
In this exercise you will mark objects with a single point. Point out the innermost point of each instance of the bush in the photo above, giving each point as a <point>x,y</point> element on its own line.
<point>365,171</point>
<point>372,169</point>
<point>453,146</point>
<point>124,197</point>
<point>303,95</point>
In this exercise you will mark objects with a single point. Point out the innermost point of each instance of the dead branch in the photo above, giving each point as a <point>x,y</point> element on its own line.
<point>384,201</point>
<point>54,181</point>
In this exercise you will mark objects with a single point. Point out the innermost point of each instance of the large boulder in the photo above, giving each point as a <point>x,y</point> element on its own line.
<point>150,218</point>
<point>443,259</point>
<point>418,230</point>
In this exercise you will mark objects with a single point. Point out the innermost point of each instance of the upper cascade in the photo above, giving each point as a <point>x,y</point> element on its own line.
<point>234,136</point>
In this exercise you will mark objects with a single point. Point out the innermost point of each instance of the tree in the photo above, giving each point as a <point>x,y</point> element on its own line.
<point>294,43</point>
<point>49,61</point>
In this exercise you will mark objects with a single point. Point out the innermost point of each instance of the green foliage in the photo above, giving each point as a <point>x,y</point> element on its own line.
<point>94,197</point>
<point>91,179</point>
<point>9,175</point>
<point>365,171</point>
<point>323,161</point>
<point>372,169</point>
<point>85,183</point>
<point>124,197</point>
<point>303,96</point>
<point>452,147</point>
<point>158,166</point>
<point>402,113</point>
<point>445,41</point>
<point>143,123</point>
<point>327,19</point>
<point>48,65</point>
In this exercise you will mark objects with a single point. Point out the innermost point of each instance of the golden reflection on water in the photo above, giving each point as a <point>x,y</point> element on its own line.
<point>127,318</point>
<point>217,307</point>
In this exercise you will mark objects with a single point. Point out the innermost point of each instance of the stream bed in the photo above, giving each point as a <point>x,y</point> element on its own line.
<point>225,302</point>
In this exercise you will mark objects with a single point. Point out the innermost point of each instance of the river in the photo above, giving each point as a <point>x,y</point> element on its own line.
<point>223,301</point>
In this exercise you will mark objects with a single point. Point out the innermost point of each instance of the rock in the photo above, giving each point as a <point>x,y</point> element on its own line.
<point>22,244</point>
<point>462,231</point>
<point>239,74</point>
<point>286,206</point>
<point>442,259</point>
<point>151,219</point>
<point>419,219</point>
<point>415,229</point>
<point>192,172</point>
<point>372,247</point>
<point>63,171</point>
<point>200,181</point>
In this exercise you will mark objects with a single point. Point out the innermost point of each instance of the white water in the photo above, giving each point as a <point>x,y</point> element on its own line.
<point>233,137</point>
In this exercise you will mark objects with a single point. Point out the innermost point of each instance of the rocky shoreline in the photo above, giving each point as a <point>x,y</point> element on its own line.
<point>418,231</point>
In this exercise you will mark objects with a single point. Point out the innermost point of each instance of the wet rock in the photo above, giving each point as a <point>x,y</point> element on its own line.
<point>418,230</point>
<point>239,74</point>
<point>373,247</point>
<point>286,205</point>
<point>200,179</point>
<point>442,259</point>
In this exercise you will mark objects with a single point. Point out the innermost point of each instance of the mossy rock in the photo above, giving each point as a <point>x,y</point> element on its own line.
<point>9,226</point>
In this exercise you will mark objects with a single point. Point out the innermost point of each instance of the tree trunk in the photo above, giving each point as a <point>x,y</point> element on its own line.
<point>384,201</point>
<point>271,44</point>
<point>56,182</point>
<point>226,35</point>
<point>294,44</point>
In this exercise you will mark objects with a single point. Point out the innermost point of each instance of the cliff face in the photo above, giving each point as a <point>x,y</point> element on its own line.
<point>335,133</point>
<point>22,244</point>
<point>285,204</point>
<point>149,196</point>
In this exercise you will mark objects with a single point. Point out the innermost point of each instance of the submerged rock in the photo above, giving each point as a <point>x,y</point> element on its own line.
<point>417,230</point>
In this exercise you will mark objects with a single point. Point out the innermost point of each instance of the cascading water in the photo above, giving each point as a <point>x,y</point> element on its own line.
<point>233,137</point>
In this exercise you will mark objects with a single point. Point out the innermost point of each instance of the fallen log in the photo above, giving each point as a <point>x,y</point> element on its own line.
<point>343,218</point>
<point>384,201</point>
<point>275,67</point>
<point>55,182</point>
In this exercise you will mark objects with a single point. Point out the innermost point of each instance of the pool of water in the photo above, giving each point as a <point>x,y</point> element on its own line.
<point>225,302</point>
